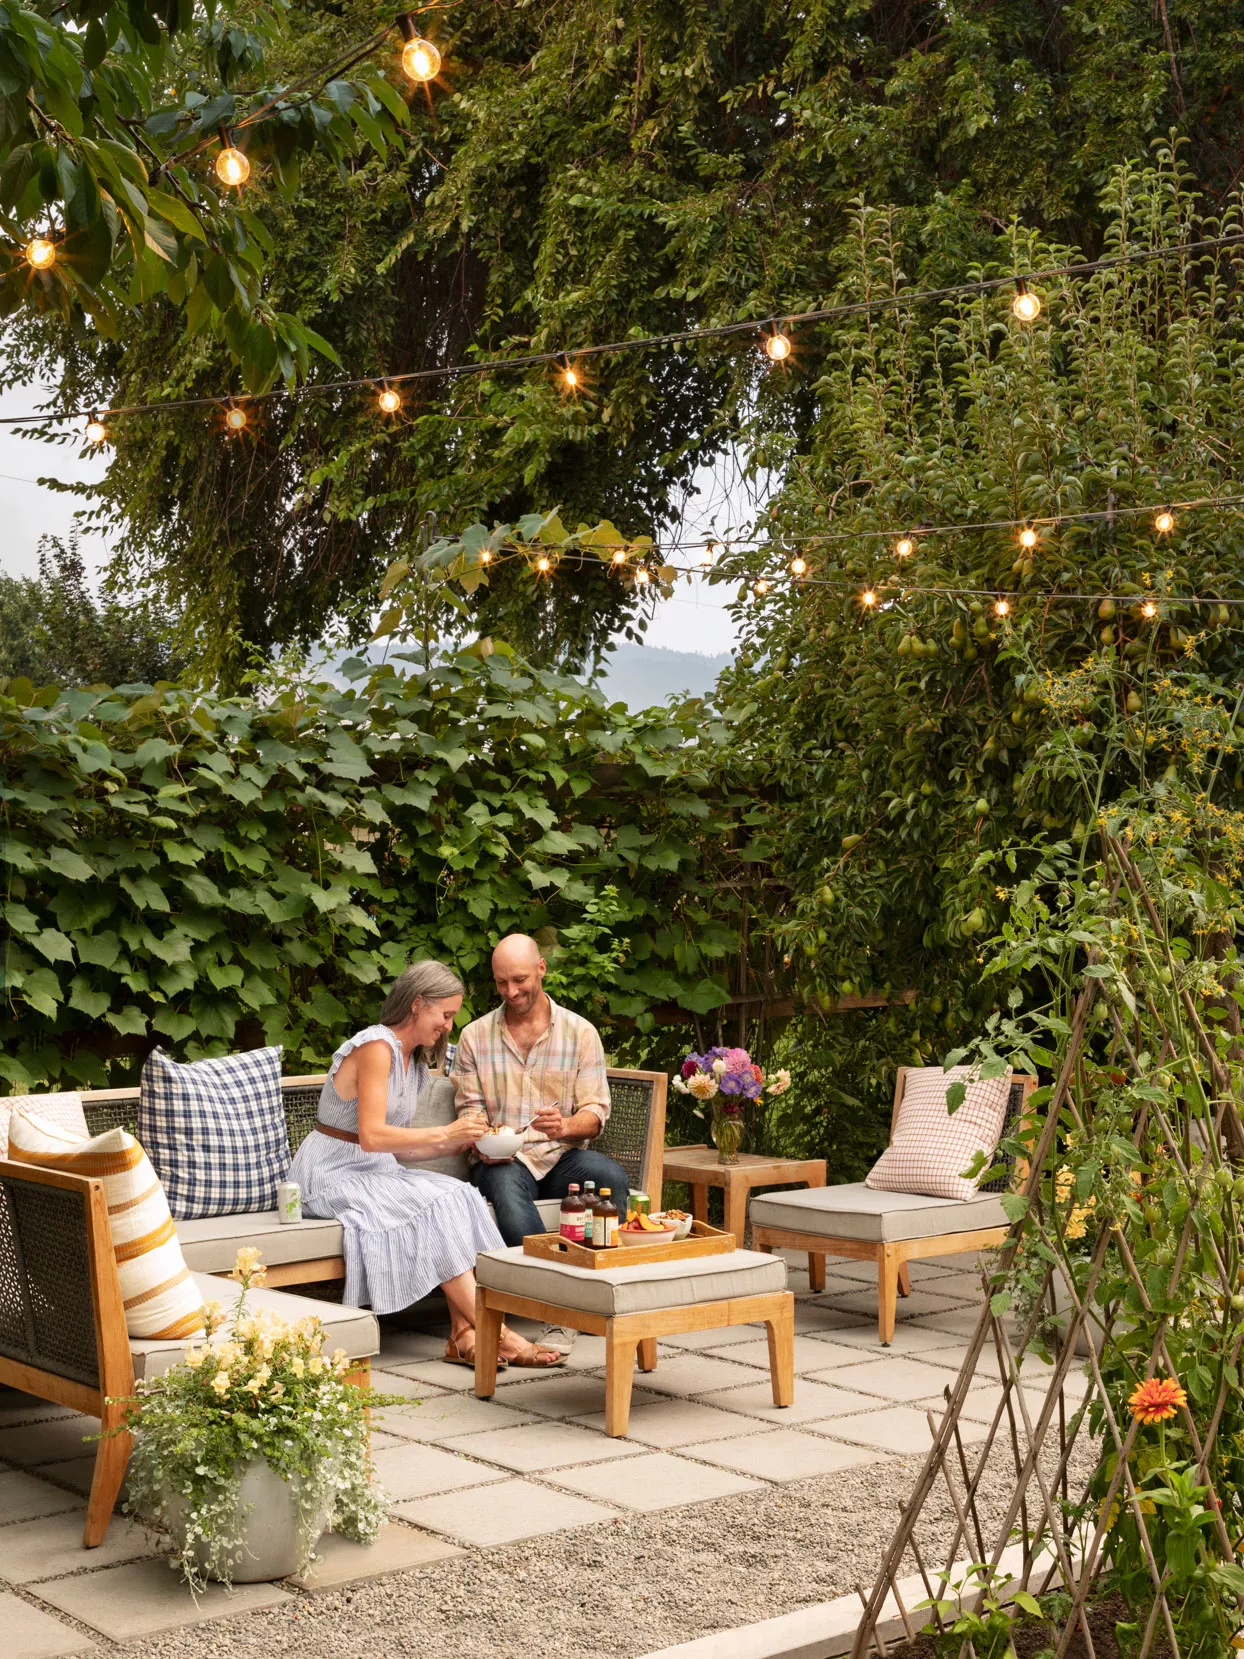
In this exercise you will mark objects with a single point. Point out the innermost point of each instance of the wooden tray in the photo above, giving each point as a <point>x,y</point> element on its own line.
<point>702,1240</point>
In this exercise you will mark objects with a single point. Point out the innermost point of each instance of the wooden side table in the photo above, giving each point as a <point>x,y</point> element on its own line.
<point>698,1166</point>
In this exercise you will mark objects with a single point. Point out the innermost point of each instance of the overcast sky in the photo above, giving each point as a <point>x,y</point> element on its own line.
<point>694,620</point>
<point>27,510</point>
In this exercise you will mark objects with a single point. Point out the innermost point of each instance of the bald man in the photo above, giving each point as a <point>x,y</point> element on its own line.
<point>535,1066</point>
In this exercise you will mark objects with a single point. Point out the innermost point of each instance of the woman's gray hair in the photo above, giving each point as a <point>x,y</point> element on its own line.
<point>422,982</point>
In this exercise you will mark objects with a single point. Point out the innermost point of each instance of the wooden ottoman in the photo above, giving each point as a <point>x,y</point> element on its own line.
<point>631,1307</point>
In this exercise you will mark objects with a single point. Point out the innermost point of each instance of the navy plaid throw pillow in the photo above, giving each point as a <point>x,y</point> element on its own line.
<point>215,1131</point>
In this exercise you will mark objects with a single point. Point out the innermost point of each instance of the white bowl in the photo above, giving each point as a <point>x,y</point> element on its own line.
<point>501,1143</point>
<point>683,1227</point>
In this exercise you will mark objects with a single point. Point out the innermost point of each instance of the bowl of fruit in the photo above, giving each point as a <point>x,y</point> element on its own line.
<point>646,1229</point>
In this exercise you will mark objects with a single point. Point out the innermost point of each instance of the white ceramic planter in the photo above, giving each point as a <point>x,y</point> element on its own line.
<point>268,1526</point>
<point>1091,1338</point>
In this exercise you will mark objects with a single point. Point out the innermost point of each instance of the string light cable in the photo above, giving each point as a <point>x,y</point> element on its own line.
<point>711,550</point>
<point>760,328</point>
<point>302,91</point>
<point>877,594</point>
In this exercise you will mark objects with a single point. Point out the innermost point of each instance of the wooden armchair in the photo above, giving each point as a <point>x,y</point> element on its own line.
<point>891,1228</point>
<point>62,1320</point>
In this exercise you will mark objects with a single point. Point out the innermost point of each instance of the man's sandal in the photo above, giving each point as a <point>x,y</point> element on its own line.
<point>453,1357</point>
<point>531,1363</point>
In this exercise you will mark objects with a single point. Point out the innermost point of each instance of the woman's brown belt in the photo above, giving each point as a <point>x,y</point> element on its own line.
<point>337,1134</point>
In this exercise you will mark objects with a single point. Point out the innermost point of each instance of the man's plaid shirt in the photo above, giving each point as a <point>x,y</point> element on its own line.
<point>565,1068</point>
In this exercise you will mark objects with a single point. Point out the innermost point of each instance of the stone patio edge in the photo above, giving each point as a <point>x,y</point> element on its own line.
<point>822,1631</point>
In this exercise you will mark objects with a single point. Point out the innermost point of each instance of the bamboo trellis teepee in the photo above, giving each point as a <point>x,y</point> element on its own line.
<point>1118,1292</point>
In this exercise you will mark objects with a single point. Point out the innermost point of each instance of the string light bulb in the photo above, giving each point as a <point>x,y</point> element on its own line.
<point>761,586</point>
<point>40,253</point>
<point>570,376</point>
<point>619,557</point>
<point>389,400</point>
<point>232,167</point>
<point>420,59</point>
<point>1026,306</point>
<point>1164,522</point>
<point>868,598</point>
<point>1148,610</point>
<point>1002,608</point>
<point>641,577</point>
<point>96,431</point>
<point>1028,538</point>
<point>235,418</point>
<point>544,564</point>
<point>904,547</point>
<point>485,556</point>
<point>708,558</point>
<point>799,567</point>
<point>777,346</point>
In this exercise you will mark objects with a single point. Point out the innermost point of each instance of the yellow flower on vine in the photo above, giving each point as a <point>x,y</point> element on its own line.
<point>1078,1220</point>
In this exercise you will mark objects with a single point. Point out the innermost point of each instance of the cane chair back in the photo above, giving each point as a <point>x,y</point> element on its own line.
<point>634,1134</point>
<point>47,1311</point>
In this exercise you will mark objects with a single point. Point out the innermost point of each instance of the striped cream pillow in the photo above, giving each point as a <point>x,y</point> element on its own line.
<point>161,1299</point>
<point>63,1109</point>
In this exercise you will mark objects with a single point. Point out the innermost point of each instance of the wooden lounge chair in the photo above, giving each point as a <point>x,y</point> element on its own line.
<point>62,1320</point>
<point>890,1228</point>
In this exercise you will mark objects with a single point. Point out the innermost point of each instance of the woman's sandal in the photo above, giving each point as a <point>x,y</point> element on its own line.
<point>453,1357</point>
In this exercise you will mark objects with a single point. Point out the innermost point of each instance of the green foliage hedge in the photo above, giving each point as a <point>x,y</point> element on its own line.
<point>924,746</point>
<point>207,873</point>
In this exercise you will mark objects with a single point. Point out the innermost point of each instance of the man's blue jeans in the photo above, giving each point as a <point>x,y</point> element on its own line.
<point>512,1189</point>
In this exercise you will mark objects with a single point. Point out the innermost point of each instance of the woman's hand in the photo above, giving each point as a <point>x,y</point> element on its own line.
<point>466,1130</point>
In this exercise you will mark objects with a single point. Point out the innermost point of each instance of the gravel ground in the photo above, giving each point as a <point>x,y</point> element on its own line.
<point>633,1585</point>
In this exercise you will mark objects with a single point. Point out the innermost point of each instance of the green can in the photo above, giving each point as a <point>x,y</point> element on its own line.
<point>638,1204</point>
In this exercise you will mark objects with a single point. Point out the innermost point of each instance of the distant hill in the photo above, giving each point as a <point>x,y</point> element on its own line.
<point>643,675</point>
<point>640,676</point>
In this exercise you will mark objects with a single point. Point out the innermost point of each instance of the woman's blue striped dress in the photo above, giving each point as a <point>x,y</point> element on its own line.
<point>406,1230</point>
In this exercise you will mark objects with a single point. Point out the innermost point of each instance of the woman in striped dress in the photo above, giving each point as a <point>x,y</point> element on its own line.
<point>406,1230</point>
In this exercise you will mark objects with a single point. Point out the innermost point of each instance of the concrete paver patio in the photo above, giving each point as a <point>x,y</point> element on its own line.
<point>469,1475</point>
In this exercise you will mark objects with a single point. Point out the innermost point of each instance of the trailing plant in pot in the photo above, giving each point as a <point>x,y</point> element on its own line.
<point>252,1446</point>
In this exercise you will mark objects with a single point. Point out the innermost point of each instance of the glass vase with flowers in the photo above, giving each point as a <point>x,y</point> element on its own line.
<point>722,1081</point>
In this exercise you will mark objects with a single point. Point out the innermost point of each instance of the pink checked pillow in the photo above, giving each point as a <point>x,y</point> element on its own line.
<point>64,1110</point>
<point>932,1146</point>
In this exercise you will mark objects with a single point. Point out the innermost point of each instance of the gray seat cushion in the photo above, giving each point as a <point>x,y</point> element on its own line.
<point>854,1211</point>
<point>617,1290</point>
<point>212,1245</point>
<point>354,1329</point>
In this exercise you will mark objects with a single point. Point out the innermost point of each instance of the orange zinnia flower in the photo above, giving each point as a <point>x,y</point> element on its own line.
<point>1157,1400</point>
